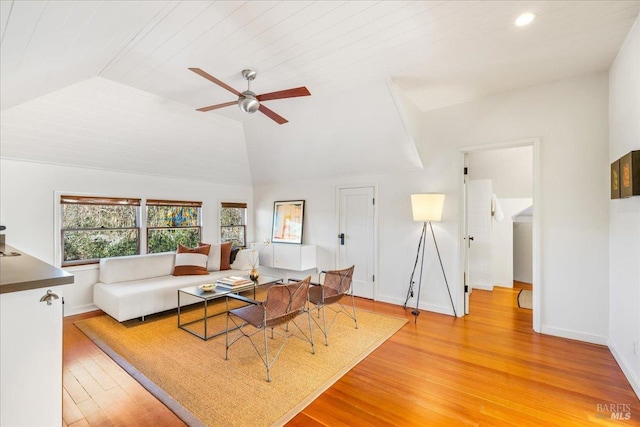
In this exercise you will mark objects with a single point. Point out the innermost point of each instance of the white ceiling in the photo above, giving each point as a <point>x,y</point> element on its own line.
<point>345,52</point>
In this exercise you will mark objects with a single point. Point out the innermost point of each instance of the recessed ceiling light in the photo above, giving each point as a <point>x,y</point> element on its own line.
<point>525,19</point>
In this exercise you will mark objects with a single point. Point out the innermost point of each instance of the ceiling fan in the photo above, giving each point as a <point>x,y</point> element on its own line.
<point>248,101</point>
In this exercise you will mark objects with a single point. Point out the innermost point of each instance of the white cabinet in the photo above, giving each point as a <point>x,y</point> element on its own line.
<point>287,256</point>
<point>31,314</point>
<point>31,358</point>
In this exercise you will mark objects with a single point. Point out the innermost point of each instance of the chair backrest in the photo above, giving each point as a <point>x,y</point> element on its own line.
<point>284,302</point>
<point>338,282</point>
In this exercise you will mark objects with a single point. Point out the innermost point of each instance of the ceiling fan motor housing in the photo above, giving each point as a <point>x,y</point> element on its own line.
<point>248,102</point>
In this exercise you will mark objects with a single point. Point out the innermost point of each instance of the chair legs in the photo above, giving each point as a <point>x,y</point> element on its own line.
<point>321,308</point>
<point>267,363</point>
<point>268,360</point>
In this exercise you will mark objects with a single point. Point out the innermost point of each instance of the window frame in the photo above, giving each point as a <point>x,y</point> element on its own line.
<point>181,203</point>
<point>66,199</point>
<point>238,205</point>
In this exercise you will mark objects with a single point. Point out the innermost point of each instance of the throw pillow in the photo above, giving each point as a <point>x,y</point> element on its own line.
<point>234,253</point>
<point>191,261</point>
<point>225,256</point>
<point>213,264</point>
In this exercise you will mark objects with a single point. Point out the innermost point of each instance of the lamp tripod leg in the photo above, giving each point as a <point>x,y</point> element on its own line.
<point>442,267</point>
<point>423,237</point>
<point>421,245</point>
<point>415,265</point>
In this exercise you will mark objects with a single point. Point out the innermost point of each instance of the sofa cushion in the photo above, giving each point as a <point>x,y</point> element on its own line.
<point>191,261</point>
<point>225,256</point>
<point>128,300</point>
<point>136,267</point>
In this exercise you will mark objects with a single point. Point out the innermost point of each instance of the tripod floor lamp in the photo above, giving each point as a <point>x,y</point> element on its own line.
<point>426,209</point>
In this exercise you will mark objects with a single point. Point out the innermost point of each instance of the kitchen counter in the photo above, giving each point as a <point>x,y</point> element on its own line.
<point>24,272</point>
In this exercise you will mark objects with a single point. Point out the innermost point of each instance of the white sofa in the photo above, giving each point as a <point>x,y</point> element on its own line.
<point>139,285</point>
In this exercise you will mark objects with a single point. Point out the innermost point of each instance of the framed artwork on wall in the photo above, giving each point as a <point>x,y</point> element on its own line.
<point>630,174</point>
<point>288,218</point>
<point>615,179</point>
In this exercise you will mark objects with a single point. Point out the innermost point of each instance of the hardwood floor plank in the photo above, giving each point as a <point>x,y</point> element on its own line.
<point>70,411</point>
<point>488,368</point>
<point>94,414</point>
<point>98,374</point>
<point>73,388</point>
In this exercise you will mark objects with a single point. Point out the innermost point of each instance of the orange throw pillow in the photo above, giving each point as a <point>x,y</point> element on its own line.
<point>225,256</point>
<point>191,261</point>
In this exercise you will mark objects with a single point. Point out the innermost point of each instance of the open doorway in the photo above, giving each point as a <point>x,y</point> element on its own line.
<point>500,247</point>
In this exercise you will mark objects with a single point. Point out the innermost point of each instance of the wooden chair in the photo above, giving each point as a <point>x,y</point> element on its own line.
<point>284,303</point>
<point>328,294</point>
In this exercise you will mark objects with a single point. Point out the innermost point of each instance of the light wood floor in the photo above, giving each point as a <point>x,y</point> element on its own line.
<point>486,369</point>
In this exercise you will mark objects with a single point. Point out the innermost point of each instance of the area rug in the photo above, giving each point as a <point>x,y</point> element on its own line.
<point>194,380</point>
<point>525,299</point>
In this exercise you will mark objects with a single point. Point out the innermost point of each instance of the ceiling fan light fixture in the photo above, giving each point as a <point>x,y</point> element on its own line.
<point>248,102</point>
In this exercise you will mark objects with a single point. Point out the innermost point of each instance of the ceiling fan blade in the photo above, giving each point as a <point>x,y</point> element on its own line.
<point>273,116</point>
<point>215,107</point>
<point>214,80</point>
<point>288,93</point>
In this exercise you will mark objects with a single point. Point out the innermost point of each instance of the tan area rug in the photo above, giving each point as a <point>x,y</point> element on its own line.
<point>192,377</point>
<point>525,299</point>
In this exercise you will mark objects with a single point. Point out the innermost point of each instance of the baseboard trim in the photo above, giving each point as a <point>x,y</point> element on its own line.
<point>441,309</point>
<point>574,335</point>
<point>70,311</point>
<point>625,367</point>
<point>483,287</point>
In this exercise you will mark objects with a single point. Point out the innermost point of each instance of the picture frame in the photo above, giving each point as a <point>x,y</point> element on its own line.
<point>615,179</point>
<point>630,174</point>
<point>288,220</point>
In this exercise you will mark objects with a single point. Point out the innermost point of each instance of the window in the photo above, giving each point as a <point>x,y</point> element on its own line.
<point>98,227</point>
<point>233,223</point>
<point>170,223</point>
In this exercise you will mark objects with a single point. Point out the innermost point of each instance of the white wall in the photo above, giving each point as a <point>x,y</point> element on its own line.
<point>570,117</point>
<point>398,234</point>
<point>624,221</point>
<point>27,205</point>
<point>503,262</point>
<point>523,252</point>
<point>509,169</point>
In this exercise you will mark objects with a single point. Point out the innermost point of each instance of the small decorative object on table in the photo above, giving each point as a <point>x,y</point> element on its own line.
<point>254,260</point>
<point>207,287</point>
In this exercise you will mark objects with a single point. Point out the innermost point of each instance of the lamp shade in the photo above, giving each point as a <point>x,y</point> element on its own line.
<point>427,207</point>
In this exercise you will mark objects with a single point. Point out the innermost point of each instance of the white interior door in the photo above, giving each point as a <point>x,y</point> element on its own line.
<point>356,242</point>
<point>479,227</point>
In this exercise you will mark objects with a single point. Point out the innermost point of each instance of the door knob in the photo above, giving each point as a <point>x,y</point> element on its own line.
<point>341,237</point>
<point>48,297</point>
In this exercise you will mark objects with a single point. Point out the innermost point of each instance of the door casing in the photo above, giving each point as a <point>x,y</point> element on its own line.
<point>537,223</point>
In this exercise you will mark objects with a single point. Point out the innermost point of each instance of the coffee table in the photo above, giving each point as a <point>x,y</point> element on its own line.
<point>219,292</point>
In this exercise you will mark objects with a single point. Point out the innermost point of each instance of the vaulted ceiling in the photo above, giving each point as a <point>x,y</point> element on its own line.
<point>106,84</point>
